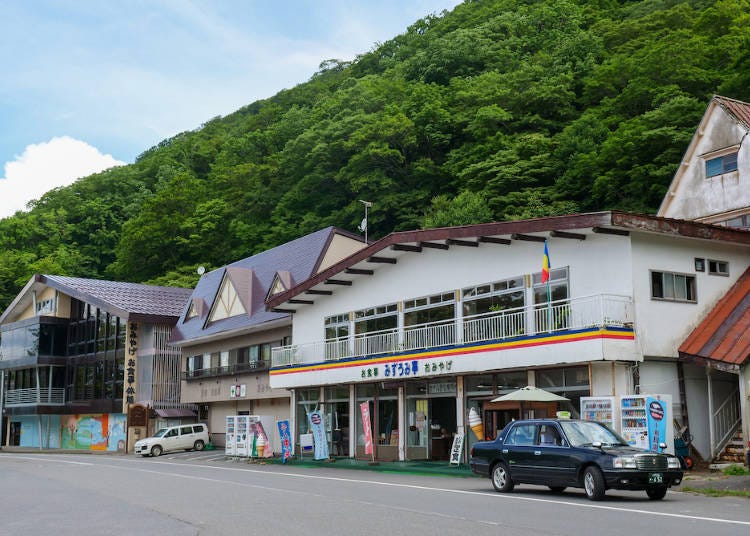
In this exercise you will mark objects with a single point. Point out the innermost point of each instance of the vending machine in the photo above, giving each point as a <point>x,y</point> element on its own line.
<point>603,409</point>
<point>243,438</point>
<point>646,421</point>
<point>230,446</point>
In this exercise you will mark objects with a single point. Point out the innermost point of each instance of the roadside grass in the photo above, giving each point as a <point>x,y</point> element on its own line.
<point>712,492</point>
<point>736,469</point>
<point>732,470</point>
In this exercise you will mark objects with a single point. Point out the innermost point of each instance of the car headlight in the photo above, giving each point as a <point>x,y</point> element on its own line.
<point>673,463</point>
<point>624,462</point>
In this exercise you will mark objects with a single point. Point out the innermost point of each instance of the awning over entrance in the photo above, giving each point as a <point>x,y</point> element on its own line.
<point>171,413</point>
<point>724,335</point>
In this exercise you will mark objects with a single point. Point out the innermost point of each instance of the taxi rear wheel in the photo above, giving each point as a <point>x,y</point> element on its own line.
<point>501,480</point>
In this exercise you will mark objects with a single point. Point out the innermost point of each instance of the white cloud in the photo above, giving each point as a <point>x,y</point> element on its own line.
<point>47,165</point>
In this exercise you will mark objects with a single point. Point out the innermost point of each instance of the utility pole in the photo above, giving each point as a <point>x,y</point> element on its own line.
<point>363,225</point>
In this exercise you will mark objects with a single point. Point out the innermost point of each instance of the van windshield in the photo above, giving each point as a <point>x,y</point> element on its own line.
<point>161,432</point>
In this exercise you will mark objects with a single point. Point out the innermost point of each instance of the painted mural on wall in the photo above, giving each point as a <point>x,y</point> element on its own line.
<point>93,432</point>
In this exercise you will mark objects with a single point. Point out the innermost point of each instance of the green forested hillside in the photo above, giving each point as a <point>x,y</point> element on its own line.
<point>500,109</point>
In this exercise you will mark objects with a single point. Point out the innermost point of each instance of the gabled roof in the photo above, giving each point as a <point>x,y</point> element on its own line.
<point>737,111</point>
<point>724,334</point>
<point>387,251</point>
<point>252,278</point>
<point>133,301</point>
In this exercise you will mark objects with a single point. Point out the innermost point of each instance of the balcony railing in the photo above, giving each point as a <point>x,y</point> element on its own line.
<point>229,370</point>
<point>579,313</point>
<point>33,396</point>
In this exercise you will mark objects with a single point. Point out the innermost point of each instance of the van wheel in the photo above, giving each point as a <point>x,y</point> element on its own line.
<point>156,450</point>
<point>198,445</point>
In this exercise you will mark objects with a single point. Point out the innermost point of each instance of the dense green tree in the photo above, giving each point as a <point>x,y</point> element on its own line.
<point>499,109</point>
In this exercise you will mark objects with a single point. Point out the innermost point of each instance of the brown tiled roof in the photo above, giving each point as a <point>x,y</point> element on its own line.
<point>740,110</point>
<point>724,335</point>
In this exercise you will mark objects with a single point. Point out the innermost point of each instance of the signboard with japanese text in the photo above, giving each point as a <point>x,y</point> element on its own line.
<point>131,356</point>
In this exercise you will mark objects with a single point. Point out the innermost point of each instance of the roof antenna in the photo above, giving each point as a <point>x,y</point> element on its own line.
<point>363,226</point>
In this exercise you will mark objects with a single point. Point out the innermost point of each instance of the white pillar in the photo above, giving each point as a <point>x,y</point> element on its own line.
<point>711,431</point>
<point>402,423</point>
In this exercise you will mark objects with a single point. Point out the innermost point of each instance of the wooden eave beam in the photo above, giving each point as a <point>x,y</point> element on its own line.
<point>319,292</point>
<point>434,245</point>
<point>607,230</point>
<point>467,243</point>
<point>493,240</point>
<point>527,238</point>
<point>359,271</point>
<point>301,302</point>
<point>407,247</point>
<point>338,282</point>
<point>277,310</point>
<point>382,260</point>
<point>565,234</point>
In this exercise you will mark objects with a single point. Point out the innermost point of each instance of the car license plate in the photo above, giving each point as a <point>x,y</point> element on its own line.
<point>655,478</point>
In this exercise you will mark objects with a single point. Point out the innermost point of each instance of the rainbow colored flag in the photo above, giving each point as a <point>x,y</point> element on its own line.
<point>545,264</point>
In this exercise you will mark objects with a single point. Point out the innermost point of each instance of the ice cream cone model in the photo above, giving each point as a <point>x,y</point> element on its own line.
<point>260,445</point>
<point>475,423</point>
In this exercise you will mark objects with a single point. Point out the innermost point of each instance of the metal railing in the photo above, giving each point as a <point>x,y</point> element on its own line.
<point>229,370</point>
<point>726,419</point>
<point>29,397</point>
<point>579,313</point>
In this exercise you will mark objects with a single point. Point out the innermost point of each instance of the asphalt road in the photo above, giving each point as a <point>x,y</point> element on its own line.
<point>206,494</point>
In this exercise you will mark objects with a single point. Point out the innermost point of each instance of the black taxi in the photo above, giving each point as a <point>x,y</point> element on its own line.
<point>561,453</point>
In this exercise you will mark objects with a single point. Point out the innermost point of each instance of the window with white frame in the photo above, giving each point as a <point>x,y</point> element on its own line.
<point>718,267</point>
<point>497,296</point>
<point>672,286</point>
<point>429,309</point>
<point>337,327</point>
<point>380,318</point>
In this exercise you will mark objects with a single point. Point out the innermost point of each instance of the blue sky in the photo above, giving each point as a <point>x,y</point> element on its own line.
<point>90,84</point>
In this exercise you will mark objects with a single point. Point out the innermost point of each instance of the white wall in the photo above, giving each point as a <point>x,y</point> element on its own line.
<point>600,264</point>
<point>662,326</point>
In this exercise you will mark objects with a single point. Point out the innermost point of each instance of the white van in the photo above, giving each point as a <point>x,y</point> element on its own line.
<point>183,437</point>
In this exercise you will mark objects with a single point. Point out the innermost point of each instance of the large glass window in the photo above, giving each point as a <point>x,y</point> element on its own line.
<point>498,296</point>
<point>570,382</point>
<point>430,309</point>
<point>337,327</point>
<point>381,318</point>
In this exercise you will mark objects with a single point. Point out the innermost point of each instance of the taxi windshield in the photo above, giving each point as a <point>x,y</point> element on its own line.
<point>583,434</point>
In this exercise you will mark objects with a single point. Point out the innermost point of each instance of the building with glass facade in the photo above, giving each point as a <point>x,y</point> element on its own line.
<point>77,354</point>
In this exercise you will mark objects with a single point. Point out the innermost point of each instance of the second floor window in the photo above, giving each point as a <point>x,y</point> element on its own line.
<point>673,287</point>
<point>721,164</point>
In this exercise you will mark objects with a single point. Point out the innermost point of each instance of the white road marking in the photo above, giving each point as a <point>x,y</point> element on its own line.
<point>386,484</point>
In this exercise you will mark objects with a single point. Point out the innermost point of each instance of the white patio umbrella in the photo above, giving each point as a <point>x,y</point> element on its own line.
<point>530,394</point>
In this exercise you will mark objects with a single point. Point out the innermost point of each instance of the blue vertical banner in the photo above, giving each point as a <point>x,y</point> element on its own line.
<point>285,435</point>
<point>317,425</point>
<point>656,414</point>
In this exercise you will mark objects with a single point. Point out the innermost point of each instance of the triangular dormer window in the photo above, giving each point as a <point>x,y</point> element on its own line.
<point>227,302</point>
<point>192,312</point>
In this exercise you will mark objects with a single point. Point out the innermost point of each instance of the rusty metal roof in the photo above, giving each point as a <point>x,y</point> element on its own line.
<point>738,109</point>
<point>724,335</point>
